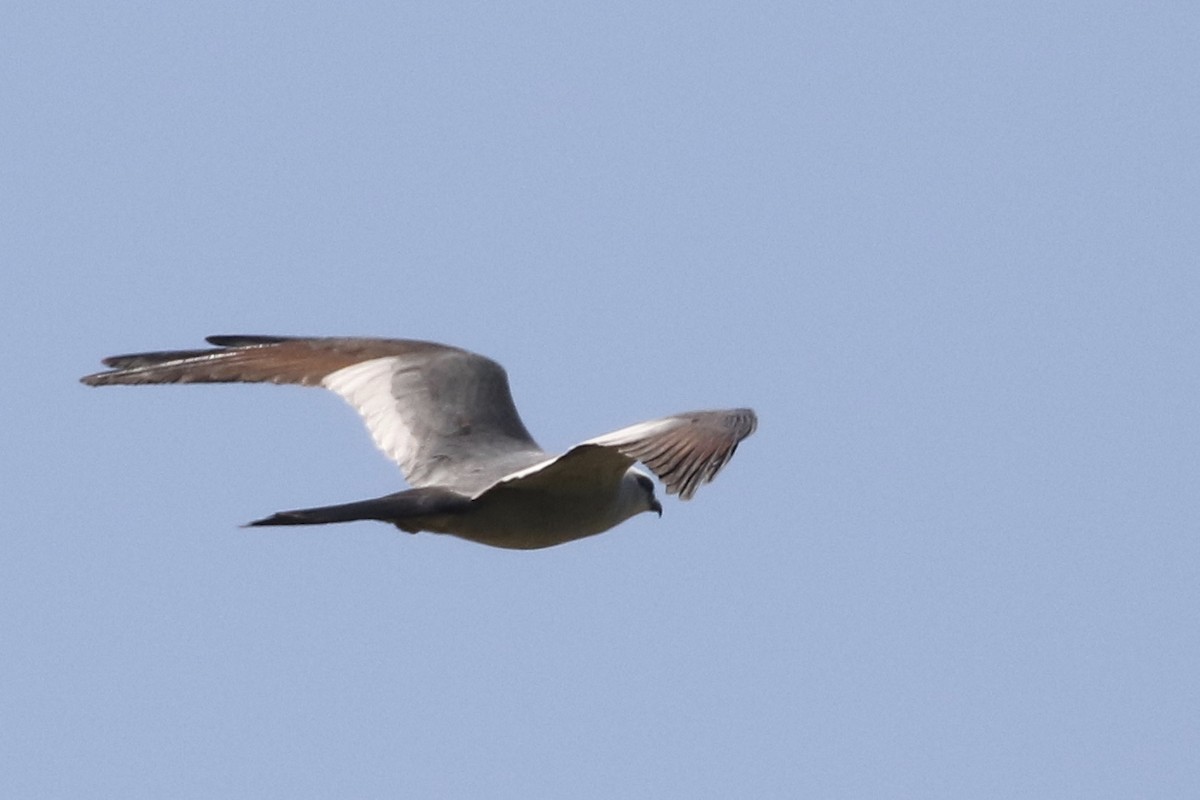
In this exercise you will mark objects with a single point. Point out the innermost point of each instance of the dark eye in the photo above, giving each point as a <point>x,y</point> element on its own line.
<point>646,484</point>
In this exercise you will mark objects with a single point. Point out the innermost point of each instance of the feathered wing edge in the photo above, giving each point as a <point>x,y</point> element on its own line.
<point>254,359</point>
<point>684,450</point>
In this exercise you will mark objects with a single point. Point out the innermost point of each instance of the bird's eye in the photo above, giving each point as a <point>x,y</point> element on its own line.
<point>646,483</point>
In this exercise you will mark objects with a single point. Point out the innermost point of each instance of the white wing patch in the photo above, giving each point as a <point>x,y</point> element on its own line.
<point>367,386</point>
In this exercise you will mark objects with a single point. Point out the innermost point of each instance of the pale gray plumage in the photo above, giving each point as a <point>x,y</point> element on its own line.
<point>447,417</point>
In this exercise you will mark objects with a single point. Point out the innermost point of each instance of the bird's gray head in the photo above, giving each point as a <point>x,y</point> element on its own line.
<point>641,488</point>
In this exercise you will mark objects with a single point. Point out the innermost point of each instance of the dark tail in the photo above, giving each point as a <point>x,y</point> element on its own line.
<point>405,510</point>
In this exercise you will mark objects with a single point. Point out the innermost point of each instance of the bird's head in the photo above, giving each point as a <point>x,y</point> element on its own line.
<point>644,491</point>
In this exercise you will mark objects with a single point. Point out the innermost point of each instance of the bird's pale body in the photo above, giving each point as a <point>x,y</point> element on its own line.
<point>526,519</point>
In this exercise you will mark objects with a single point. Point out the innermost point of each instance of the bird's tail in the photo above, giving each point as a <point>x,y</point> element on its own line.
<point>406,510</point>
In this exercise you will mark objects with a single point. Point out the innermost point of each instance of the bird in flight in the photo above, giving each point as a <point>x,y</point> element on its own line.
<point>446,416</point>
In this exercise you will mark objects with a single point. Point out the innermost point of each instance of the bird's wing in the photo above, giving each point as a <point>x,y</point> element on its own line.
<point>684,450</point>
<point>445,415</point>
<point>579,469</point>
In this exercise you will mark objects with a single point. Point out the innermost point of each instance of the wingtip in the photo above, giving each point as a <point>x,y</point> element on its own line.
<point>96,379</point>
<point>100,378</point>
<point>749,417</point>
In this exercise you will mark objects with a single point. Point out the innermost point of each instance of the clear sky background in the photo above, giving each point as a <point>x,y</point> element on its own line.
<point>948,252</point>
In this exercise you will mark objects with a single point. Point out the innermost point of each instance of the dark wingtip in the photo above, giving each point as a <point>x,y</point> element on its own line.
<point>101,378</point>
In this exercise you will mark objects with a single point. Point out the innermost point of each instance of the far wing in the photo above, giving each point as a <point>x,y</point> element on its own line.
<point>684,450</point>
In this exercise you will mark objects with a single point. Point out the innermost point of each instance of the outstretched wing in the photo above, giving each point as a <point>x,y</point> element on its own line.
<point>445,415</point>
<point>684,450</point>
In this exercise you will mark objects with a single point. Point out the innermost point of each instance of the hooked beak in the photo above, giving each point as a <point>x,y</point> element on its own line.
<point>656,507</point>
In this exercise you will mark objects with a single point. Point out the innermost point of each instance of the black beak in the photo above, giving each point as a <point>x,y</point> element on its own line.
<point>656,507</point>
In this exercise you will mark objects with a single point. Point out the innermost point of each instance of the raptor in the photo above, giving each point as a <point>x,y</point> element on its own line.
<point>447,418</point>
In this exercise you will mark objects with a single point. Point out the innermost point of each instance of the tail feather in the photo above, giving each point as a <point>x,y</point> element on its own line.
<point>405,510</point>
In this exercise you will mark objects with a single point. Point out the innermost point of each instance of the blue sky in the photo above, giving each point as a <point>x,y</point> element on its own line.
<point>947,251</point>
